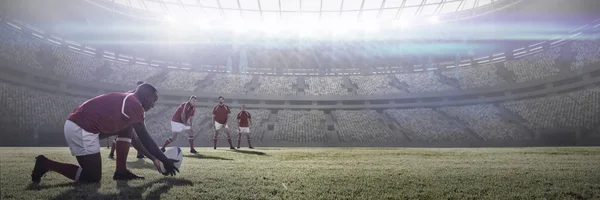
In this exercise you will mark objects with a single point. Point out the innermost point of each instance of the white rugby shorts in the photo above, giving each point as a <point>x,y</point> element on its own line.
<point>177,127</point>
<point>80,141</point>
<point>219,126</point>
<point>244,129</point>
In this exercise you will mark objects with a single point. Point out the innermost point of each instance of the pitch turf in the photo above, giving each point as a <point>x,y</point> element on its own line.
<point>327,173</point>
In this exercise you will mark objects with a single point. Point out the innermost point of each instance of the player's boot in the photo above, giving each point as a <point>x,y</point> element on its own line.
<point>162,149</point>
<point>125,176</point>
<point>251,147</point>
<point>231,147</point>
<point>140,156</point>
<point>38,169</point>
<point>238,147</point>
<point>111,156</point>
<point>193,151</point>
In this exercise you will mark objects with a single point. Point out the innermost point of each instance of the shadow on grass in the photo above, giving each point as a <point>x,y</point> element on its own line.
<point>199,156</point>
<point>141,164</point>
<point>90,191</point>
<point>36,186</point>
<point>260,153</point>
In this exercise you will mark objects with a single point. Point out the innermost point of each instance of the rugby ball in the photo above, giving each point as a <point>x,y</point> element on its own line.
<point>175,154</point>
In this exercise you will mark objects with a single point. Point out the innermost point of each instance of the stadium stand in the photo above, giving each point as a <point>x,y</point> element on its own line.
<point>325,86</point>
<point>362,126</point>
<point>123,74</point>
<point>588,52</point>
<point>182,80</point>
<point>486,121</point>
<point>475,77</point>
<point>300,126</point>
<point>228,84</point>
<point>70,64</point>
<point>534,67</point>
<point>571,110</point>
<point>18,48</point>
<point>427,125</point>
<point>375,84</point>
<point>276,85</point>
<point>34,110</point>
<point>423,82</point>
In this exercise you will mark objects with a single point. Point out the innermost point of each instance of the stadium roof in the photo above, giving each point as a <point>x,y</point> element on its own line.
<point>305,9</point>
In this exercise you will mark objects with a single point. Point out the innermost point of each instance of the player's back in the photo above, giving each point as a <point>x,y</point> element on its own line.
<point>108,113</point>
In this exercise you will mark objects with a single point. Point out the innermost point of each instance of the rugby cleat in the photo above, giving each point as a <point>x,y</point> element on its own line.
<point>38,169</point>
<point>126,176</point>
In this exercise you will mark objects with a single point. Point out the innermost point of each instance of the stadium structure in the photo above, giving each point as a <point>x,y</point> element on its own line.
<point>314,72</point>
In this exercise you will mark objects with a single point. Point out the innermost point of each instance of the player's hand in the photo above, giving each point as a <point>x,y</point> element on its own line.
<point>170,168</point>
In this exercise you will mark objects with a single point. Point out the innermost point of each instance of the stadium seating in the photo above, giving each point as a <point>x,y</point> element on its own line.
<point>33,110</point>
<point>588,52</point>
<point>128,75</point>
<point>74,65</point>
<point>276,85</point>
<point>572,110</point>
<point>325,86</point>
<point>228,84</point>
<point>18,48</point>
<point>534,67</point>
<point>362,126</point>
<point>428,125</point>
<point>486,121</point>
<point>475,77</point>
<point>375,84</point>
<point>300,126</point>
<point>423,82</point>
<point>182,80</point>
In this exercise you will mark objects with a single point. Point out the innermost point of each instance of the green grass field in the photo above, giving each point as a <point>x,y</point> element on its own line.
<point>327,173</point>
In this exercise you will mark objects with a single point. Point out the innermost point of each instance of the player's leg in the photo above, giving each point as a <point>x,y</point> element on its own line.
<point>228,133</point>
<point>169,141</point>
<point>216,138</point>
<point>175,129</point>
<point>124,138</point>
<point>85,146</point>
<point>248,136</point>
<point>112,149</point>
<point>191,140</point>
<point>218,127</point>
<point>239,137</point>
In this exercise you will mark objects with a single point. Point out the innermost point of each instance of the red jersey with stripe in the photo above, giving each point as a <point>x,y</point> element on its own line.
<point>108,113</point>
<point>243,118</point>
<point>187,108</point>
<point>221,111</point>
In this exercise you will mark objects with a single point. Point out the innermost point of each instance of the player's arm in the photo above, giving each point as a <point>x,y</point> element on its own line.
<point>152,148</point>
<point>137,144</point>
<point>183,118</point>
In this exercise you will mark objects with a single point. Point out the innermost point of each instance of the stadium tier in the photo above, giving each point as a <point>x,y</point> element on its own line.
<point>522,120</point>
<point>73,64</point>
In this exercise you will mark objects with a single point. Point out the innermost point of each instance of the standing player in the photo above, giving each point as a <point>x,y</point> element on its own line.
<point>111,155</point>
<point>219,119</point>
<point>182,121</point>
<point>244,124</point>
<point>98,118</point>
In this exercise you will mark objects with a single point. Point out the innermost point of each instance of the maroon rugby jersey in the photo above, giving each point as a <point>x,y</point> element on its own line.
<point>243,116</point>
<point>221,111</point>
<point>108,113</point>
<point>189,112</point>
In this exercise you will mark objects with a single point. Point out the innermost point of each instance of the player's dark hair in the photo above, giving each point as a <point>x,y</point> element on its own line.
<point>146,87</point>
<point>220,97</point>
<point>139,82</point>
<point>193,97</point>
